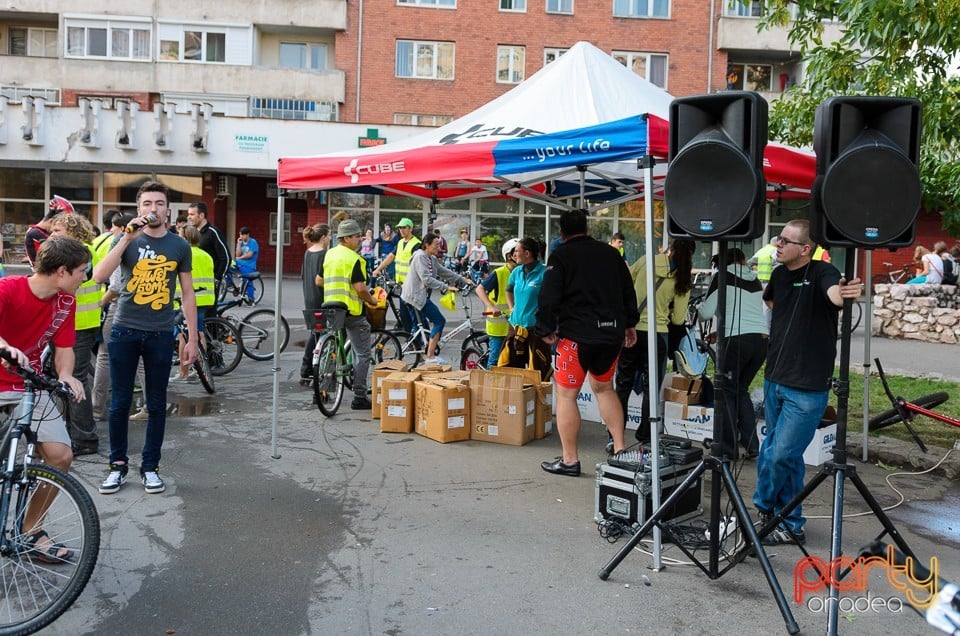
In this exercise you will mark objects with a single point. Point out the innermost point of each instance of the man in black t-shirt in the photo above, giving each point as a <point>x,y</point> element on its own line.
<point>806,297</point>
<point>211,242</point>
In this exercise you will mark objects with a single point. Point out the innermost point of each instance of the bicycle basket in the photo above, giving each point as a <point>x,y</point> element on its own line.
<point>324,319</point>
<point>376,316</point>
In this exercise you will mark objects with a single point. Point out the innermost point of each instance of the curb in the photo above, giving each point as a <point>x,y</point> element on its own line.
<point>895,452</point>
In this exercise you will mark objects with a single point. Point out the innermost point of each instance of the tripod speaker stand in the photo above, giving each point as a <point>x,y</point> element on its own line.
<point>723,478</point>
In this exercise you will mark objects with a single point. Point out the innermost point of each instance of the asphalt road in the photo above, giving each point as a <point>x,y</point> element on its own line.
<point>350,531</point>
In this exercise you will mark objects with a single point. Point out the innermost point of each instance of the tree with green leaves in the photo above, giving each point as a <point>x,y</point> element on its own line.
<point>902,48</point>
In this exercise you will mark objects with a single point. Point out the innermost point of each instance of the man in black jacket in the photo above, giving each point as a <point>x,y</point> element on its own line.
<point>588,307</point>
<point>211,242</point>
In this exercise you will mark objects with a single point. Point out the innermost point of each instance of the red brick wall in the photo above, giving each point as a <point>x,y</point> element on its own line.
<point>254,209</point>
<point>69,97</point>
<point>478,28</point>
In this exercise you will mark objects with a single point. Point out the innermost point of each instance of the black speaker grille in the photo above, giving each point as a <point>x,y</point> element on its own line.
<point>710,188</point>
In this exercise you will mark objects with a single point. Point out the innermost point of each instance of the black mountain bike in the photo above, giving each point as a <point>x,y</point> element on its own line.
<point>39,503</point>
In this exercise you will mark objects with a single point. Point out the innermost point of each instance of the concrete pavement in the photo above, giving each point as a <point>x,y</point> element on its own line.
<point>351,531</point>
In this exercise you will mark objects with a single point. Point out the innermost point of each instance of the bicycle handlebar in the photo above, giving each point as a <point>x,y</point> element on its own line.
<point>45,382</point>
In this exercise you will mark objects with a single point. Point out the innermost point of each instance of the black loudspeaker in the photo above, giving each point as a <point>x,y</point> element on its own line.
<point>867,191</point>
<point>715,186</point>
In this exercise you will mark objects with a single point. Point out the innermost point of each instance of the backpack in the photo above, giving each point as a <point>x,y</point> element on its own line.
<point>690,359</point>
<point>949,272</point>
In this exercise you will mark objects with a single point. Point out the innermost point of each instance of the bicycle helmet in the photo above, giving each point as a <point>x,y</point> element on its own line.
<point>509,246</point>
<point>57,205</point>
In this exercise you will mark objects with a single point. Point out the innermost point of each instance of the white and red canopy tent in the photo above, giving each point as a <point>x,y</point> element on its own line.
<point>575,127</point>
<point>569,136</point>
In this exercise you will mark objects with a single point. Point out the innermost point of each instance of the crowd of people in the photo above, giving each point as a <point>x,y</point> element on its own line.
<point>120,287</point>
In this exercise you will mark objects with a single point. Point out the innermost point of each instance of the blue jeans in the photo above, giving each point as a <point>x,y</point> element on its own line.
<point>433,318</point>
<point>127,347</point>
<point>496,346</point>
<point>792,417</point>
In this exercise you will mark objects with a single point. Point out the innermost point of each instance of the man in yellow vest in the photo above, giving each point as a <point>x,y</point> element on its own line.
<point>407,245</point>
<point>345,283</point>
<point>79,415</point>
<point>203,287</point>
<point>493,292</point>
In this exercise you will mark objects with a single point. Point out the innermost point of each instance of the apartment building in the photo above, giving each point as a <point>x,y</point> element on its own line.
<point>97,97</point>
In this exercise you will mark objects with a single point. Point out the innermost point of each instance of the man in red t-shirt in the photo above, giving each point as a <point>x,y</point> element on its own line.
<point>34,311</point>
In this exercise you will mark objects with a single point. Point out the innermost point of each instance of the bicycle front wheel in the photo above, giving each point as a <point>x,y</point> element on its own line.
<point>202,366</point>
<point>39,586</point>
<point>224,346</point>
<point>327,387</point>
<point>256,332</point>
<point>471,358</point>
<point>888,418</point>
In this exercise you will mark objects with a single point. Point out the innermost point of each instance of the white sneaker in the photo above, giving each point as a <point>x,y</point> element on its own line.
<point>152,484</point>
<point>115,479</point>
<point>140,415</point>
<point>437,360</point>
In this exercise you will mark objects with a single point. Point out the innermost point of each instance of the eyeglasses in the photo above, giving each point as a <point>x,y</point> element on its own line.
<point>785,241</point>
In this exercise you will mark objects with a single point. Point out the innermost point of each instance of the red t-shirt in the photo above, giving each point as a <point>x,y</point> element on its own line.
<point>29,323</point>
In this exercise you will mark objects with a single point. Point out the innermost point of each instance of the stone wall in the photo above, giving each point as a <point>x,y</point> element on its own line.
<point>917,312</point>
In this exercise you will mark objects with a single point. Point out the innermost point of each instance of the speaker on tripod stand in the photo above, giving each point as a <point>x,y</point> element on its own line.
<point>715,190</point>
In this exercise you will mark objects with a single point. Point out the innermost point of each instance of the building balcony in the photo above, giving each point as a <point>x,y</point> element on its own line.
<point>163,77</point>
<point>740,34</point>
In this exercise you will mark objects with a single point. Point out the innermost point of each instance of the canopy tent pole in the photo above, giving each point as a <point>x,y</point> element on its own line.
<point>277,297</point>
<point>653,375</point>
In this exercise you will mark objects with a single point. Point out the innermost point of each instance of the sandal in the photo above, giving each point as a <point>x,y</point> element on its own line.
<point>53,554</point>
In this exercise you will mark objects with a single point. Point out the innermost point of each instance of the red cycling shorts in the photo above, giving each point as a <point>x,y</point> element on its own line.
<point>574,360</point>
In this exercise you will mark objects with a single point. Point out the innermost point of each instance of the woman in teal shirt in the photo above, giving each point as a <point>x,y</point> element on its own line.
<point>523,287</point>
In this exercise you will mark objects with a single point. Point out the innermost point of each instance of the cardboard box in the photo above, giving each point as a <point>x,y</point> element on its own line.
<point>544,414</point>
<point>681,389</point>
<point>543,424</point>
<point>502,408</point>
<point>689,422</point>
<point>381,371</point>
<point>442,409</point>
<point>396,402</point>
<point>463,377</point>
<point>433,367</point>
<point>820,447</point>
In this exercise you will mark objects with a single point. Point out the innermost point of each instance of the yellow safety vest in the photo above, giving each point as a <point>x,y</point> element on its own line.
<point>88,299</point>
<point>203,277</point>
<point>405,251</point>
<point>338,266</point>
<point>499,326</point>
<point>102,244</point>
<point>765,263</point>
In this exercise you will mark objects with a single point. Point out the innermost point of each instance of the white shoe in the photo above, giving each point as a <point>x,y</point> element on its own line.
<point>140,415</point>
<point>437,360</point>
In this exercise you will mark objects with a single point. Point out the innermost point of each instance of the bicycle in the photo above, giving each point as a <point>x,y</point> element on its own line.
<point>202,364</point>
<point>414,348</point>
<point>239,285</point>
<point>332,362</point>
<point>256,329</point>
<point>906,412</point>
<point>892,276</point>
<point>39,586</point>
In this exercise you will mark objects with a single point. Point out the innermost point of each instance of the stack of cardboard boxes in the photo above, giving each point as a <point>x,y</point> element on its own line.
<point>504,406</point>
<point>683,416</point>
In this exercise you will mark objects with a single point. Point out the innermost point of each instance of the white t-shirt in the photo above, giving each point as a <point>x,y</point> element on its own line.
<point>935,265</point>
<point>478,254</point>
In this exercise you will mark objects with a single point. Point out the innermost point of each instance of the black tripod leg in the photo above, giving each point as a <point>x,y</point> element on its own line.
<point>664,508</point>
<point>878,512</point>
<point>746,525</point>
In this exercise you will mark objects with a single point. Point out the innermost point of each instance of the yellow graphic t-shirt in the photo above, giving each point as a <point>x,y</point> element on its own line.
<point>149,270</point>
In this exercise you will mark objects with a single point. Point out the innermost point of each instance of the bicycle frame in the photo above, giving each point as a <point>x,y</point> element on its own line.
<point>906,409</point>
<point>422,334</point>
<point>18,430</point>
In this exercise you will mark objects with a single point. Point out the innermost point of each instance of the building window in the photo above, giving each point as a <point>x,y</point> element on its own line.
<point>303,55</point>
<point>296,109</point>
<point>550,55</point>
<point>194,45</point>
<point>413,119</point>
<point>743,8</point>
<point>425,60</point>
<point>110,39</point>
<point>442,4</point>
<point>513,5</point>
<point>641,8</point>
<point>32,42</point>
<point>15,94</point>
<point>650,66</point>
<point>749,77</point>
<point>560,6</point>
<point>510,64</point>
<point>273,229</point>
